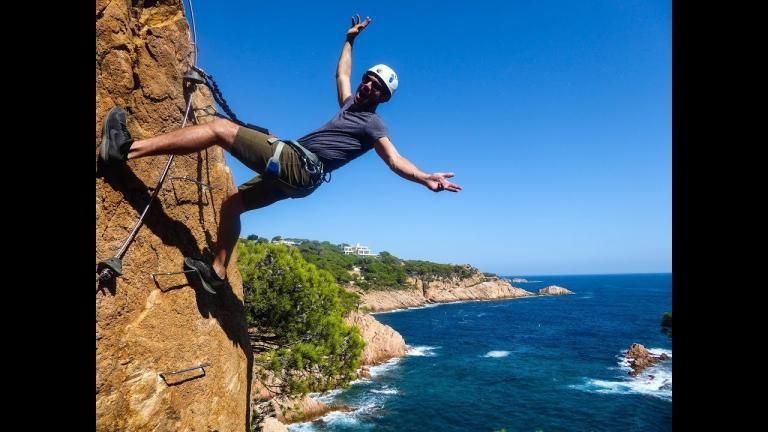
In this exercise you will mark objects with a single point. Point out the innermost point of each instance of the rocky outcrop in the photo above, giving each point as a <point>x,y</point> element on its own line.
<point>640,358</point>
<point>385,300</point>
<point>382,342</point>
<point>287,410</point>
<point>145,327</point>
<point>293,410</point>
<point>554,290</point>
<point>441,290</point>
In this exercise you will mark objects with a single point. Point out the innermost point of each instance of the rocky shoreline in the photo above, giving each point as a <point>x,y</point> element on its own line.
<point>475,288</point>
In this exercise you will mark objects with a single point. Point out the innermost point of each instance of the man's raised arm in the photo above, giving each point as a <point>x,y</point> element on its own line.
<point>344,68</point>
<point>406,169</point>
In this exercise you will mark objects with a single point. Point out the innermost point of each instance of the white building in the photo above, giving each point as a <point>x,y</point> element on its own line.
<point>359,250</point>
<point>285,242</point>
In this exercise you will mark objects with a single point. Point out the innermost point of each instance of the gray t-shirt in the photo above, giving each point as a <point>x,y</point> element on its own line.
<point>346,136</point>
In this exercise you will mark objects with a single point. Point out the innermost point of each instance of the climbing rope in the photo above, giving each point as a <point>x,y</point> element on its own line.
<point>200,76</point>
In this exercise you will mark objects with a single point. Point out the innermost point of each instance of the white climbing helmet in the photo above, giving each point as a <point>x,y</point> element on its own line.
<point>387,75</point>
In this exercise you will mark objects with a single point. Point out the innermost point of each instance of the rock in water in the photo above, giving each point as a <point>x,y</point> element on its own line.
<point>554,290</point>
<point>640,358</point>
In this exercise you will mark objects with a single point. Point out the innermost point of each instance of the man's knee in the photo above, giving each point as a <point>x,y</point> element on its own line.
<point>225,132</point>
<point>233,203</point>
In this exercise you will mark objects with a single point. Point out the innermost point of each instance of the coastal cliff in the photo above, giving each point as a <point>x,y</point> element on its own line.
<point>441,290</point>
<point>382,342</point>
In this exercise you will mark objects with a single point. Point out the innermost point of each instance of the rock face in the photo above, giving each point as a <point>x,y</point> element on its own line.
<point>146,327</point>
<point>382,342</point>
<point>445,290</point>
<point>554,290</point>
<point>640,358</point>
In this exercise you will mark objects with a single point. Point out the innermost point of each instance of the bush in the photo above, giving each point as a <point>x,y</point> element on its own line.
<point>298,312</point>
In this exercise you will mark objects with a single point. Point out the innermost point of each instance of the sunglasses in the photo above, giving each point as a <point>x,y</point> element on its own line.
<point>374,82</point>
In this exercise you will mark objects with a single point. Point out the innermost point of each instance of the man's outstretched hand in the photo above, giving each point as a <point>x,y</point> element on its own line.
<point>437,182</point>
<point>357,26</point>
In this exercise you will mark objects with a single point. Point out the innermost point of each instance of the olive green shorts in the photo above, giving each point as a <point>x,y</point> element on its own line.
<point>252,149</point>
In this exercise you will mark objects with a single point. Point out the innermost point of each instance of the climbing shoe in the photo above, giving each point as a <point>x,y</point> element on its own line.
<point>208,277</point>
<point>116,140</point>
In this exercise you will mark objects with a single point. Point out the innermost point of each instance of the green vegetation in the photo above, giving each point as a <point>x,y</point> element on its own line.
<point>257,239</point>
<point>383,272</point>
<point>666,324</point>
<point>297,312</point>
<point>295,306</point>
<point>328,257</point>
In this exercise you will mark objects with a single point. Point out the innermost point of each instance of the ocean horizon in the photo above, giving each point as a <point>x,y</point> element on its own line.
<point>526,364</point>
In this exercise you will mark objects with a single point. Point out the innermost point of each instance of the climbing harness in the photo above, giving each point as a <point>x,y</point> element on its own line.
<point>273,164</point>
<point>312,164</point>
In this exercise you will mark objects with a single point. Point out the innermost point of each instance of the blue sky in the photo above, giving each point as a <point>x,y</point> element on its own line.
<point>554,115</point>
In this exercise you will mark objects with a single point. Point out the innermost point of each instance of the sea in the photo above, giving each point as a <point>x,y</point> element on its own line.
<point>534,364</point>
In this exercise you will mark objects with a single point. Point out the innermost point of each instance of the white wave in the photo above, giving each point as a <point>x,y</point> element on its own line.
<point>384,367</point>
<point>422,351</point>
<point>654,381</point>
<point>326,397</point>
<point>386,390</point>
<point>424,306</point>
<point>496,354</point>
<point>301,427</point>
<point>367,407</point>
<point>390,311</point>
<point>660,351</point>
<point>335,418</point>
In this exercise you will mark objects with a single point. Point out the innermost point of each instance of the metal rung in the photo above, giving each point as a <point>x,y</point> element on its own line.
<point>205,185</point>
<point>155,275</point>
<point>204,200</point>
<point>208,111</point>
<point>201,367</point>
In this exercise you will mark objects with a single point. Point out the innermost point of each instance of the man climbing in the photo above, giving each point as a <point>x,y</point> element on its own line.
<point>287,169</point>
